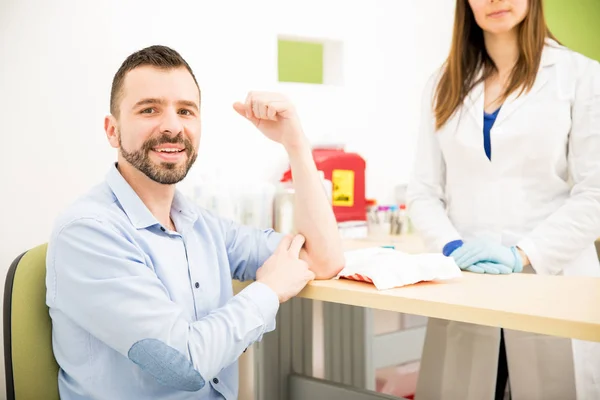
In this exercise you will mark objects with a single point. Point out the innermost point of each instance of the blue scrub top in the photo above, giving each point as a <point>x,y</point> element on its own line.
<point>488,122</point>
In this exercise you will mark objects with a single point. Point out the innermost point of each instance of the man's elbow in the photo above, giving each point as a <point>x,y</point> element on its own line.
<point>329,267</point>
<point>166,364</point>
<point>325,263</point>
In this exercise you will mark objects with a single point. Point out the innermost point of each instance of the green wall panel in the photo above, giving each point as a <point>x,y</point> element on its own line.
<point>300,61</point>
<point>576,23</point>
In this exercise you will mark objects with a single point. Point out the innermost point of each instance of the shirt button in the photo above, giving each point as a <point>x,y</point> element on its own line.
<point>215,380</point>
<point>162,229</point>
<point>197,285</point>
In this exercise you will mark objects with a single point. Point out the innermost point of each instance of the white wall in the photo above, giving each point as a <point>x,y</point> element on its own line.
<point>57,60</point>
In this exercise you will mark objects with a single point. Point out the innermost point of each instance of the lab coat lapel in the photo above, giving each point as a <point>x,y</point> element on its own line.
<point>473,108</point>
<point>516,101</point>
<point>474,104</point>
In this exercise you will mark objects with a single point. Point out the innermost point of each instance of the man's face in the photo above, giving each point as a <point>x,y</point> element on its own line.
<point>157,130</point>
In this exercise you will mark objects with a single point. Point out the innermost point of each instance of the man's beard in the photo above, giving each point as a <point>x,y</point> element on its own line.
<point>166,173</point>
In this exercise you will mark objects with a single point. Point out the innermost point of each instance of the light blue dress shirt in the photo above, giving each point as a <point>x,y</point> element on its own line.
<point>141,312</point>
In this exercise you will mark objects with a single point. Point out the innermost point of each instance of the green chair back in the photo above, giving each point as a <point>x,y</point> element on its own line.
<point>31,370</point>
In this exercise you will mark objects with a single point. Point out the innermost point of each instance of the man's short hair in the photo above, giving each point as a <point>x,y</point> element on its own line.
<point>157,56</point>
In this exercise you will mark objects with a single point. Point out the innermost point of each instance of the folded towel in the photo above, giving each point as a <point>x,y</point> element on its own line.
<point>387,268</point>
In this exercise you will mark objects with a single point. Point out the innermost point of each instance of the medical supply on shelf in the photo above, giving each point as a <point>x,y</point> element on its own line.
<point>387,268</point>
<point>283,208</point>
<point>353,229</point>
<point>388,219</point>
<point>400,223</point>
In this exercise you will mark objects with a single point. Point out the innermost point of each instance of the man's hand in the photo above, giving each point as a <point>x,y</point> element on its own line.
<point>275,116</point>
<point>284,272</point>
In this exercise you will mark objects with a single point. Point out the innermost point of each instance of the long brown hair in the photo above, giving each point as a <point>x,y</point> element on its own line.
<point>468,57</point>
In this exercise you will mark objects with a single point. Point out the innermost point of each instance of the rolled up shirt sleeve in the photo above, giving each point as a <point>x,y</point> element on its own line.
<point>99,278</point>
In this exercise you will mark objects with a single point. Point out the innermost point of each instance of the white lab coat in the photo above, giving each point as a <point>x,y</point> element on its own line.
<point>540,191</point>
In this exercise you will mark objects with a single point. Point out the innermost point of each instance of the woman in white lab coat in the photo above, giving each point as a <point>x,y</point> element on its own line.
<point>507,179</point>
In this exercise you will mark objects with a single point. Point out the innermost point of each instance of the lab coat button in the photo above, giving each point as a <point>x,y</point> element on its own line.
<point>215,380</point>
<point>162,228</point>
<point>197,285</point>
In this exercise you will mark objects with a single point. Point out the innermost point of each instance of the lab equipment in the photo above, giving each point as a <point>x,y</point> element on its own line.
<point>378,219</point>
<point>283,208</point>
<point>387,219</point>
<point>353,229</point>
<point>400,222</point>
<point>387,268</point>
<point>478,251</point>
<point>384,218</point>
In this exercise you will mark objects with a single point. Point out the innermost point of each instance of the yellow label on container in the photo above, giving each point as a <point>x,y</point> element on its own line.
<point>343,187</point>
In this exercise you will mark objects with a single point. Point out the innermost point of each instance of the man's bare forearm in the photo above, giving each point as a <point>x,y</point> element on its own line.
<point>314,216</point>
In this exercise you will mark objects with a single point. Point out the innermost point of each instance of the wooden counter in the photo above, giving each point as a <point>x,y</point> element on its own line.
<point>552,305</point>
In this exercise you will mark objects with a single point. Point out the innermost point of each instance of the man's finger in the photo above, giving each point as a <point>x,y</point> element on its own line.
<point>280,106</point>
<point>248,103</point>
<point>256,108</point>
<point>271,112</point>
<point>240,108</point>
<point>310,276</point>
<point>284,245</point>
<point>263,108</point>
<point>296,245</point>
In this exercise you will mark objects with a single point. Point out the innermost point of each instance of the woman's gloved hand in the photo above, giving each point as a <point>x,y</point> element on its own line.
<point>486,267</point>
<point>482,266</point>
<point>483,256</point>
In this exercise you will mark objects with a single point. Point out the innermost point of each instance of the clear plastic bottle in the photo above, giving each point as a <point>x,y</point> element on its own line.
<point>404,220</point>
<point>283,208</point>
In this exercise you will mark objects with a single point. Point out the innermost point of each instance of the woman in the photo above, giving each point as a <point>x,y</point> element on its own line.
<point>507,179</point>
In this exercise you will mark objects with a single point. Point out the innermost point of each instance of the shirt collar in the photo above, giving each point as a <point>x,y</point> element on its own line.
<point>185,209</point>
<point>550,53</point>
<point>135,209</point>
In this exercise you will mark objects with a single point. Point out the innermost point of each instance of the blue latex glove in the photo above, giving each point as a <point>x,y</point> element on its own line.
<point>487,255</point>
<point>483,267</point>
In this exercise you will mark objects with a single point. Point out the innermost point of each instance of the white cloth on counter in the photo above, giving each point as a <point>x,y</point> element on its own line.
<point>387,268</point>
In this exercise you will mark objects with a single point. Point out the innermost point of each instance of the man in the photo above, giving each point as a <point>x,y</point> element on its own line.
<point>139,279</point>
